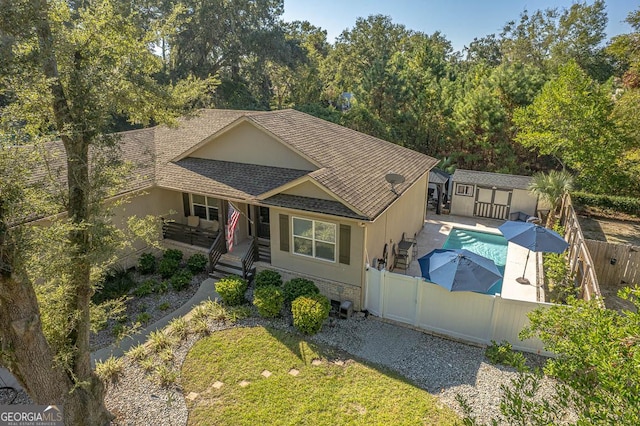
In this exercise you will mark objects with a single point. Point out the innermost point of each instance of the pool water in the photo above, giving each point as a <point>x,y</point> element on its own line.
<point>491,246</point>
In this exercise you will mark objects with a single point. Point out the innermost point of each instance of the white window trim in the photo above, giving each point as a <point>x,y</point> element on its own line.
<point>313,240</point>
<point>205,205</point>
<point>466,187</point>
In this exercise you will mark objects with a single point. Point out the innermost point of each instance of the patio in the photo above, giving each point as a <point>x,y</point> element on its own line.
<point>436,230</point>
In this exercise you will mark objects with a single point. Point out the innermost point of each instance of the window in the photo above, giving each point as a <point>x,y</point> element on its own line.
<point>204,207</point>
<point>314,239</point>
<point>466,190</point>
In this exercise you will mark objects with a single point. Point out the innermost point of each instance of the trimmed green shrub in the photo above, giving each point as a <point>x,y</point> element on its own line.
<point>147,264</point>
<point>232,289</point>
<point>181,280</point>
<point>269,301</point>
<point>147,287</point>
<point>309,312</point>
<point>168,267</point>
<point>297,287</point>
<point>173,254</point>
<point>196,263</point>
<point>629,205</point>
<point>268,277</point>
<point>143,318</point>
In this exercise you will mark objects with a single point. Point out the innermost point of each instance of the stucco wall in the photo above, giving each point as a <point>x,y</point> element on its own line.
<point>351,274</point>
<point>245,143</point>
<point>406,215</point>
<point>308,189</point>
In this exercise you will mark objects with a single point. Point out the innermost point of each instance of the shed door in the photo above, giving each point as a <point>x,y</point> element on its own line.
<point>492,203</point>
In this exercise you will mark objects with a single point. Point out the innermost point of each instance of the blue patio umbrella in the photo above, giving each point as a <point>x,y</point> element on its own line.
<point>533,237</point>
<point>459,270</point>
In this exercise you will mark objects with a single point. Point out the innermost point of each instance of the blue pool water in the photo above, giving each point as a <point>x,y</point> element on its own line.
<point>491,246</point>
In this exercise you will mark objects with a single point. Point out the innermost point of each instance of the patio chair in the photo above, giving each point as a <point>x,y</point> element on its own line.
<point>400,260</point>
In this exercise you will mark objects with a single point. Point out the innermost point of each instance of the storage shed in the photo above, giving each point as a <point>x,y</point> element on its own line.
<point>492,195</point>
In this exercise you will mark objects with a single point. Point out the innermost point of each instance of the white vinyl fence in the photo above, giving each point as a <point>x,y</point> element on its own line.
<point>463,315</point>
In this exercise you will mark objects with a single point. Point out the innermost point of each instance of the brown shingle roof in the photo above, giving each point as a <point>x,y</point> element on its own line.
<point>353,164</point>
<point>312,205</point>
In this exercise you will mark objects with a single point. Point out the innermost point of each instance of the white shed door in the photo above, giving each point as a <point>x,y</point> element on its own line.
<point>492,203</point>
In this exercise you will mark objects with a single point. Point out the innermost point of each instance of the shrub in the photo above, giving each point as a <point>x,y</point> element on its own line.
<point>629,205</point>
<point>269,301</point>
<point>159,340</point>
<point>110,369</point>
<point>147,263</point>
<point>117,282</point>
<point>503,354</point>
<point>181,280</point>
<point>168,267</point>
<point>268,277</point>
<point>161,287</point>
<point>200,327</point>
<point>309,312</point>
<point>298,287</point>
<point>164,306</point>
<point>232,289</point>
<point>196,263</point>
<point>147,364</point>
<point>146,288</point>
<point>143,318</point>
<point>137,352</point>
<point>173,254</point>
<point>179,328</point>
<point>165,375</point>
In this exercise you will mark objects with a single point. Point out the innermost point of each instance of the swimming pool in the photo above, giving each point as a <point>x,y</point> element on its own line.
<point>491,246</point>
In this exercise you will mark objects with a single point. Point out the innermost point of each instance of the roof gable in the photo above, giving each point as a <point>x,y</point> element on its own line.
<point>243,141</point>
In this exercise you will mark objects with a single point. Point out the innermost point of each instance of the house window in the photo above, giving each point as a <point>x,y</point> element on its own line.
<point>314,239</point>
<point>205,208</point>
<point>466,190</point>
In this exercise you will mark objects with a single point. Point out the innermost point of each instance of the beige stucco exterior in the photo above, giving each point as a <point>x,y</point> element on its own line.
<point>245,143</point>
<point>348,275</point>
<point>309,189</point>
<point>406,215</point>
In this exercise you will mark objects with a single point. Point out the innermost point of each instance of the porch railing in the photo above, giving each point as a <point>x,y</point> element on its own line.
<point>215,251</point>
<point>249,257</point>
<point>187,234</point>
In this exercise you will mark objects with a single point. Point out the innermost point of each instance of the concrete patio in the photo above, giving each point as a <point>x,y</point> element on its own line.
<point>436,231</point>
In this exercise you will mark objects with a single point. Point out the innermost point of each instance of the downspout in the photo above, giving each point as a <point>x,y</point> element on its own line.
<point>365,263</point>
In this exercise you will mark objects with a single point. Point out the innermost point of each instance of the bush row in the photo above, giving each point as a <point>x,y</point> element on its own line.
<point>308,307</point>
<point>629,205</point>
<point>170,262</point>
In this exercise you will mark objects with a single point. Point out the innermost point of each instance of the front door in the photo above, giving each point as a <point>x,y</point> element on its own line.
<point>492,203</point>
<point>263,222</point>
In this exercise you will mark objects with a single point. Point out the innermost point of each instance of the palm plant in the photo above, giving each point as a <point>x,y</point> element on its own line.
<point>551,187</point>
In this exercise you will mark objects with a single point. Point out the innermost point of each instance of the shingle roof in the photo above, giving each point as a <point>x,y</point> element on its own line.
<point>498,180</point>
<point>297,202</point>
<point>438,176</point>
<point>353,164</point>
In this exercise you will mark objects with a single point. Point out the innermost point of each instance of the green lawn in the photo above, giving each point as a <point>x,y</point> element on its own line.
<point>325,394</point>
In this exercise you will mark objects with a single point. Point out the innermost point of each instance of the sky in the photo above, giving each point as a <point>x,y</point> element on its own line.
<point>459,20</point>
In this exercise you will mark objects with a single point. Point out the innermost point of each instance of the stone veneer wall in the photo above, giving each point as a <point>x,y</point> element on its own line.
<point>332,289</point>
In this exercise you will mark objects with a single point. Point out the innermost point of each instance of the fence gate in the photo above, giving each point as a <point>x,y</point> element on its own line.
<point>492,203</point>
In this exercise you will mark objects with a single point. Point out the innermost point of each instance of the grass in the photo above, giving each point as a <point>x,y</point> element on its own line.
<point>325,394</point>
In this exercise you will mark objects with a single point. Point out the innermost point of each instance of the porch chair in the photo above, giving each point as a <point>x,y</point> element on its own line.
<point>193,221</point>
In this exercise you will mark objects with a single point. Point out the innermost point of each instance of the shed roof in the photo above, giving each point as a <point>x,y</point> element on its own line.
<point>499,180</point>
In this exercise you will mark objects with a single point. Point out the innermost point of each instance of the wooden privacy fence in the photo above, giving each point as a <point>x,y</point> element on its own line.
<point>615,263</point>
<point>468,316</point>
<point>581,265</point>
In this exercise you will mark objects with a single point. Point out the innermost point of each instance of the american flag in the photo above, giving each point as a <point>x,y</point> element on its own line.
<point>234,215</point>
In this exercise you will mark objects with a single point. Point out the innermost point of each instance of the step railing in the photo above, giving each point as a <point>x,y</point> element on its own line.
<point>249,257</point>
<point>215,251</point>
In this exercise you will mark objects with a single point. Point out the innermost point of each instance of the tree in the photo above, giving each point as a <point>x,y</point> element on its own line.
<point>570,120</point>
<point>551,187</point>
<point>73,69</point>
